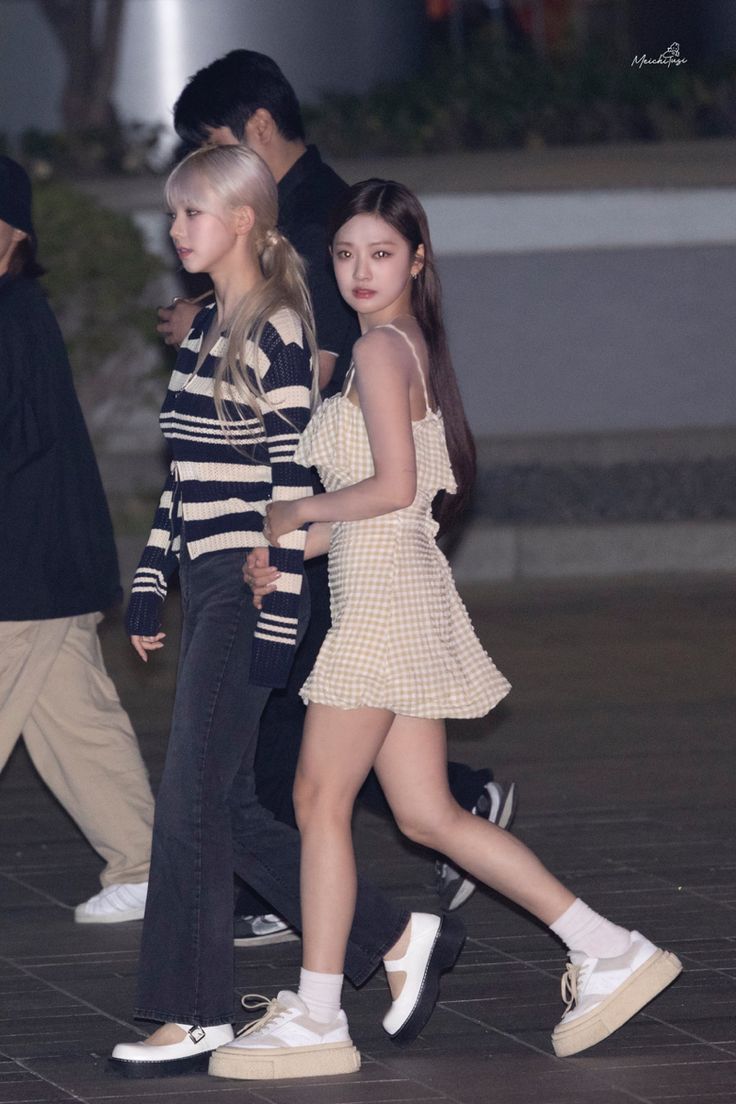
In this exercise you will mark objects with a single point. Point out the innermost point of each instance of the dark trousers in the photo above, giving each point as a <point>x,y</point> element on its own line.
<point>280,738</point>
<point>208,820</point>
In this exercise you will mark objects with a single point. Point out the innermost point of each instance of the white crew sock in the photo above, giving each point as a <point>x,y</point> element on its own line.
<point>585,931</point>
<point>321,994</point>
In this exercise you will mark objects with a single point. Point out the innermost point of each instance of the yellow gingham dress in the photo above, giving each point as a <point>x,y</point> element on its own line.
<point>401,638</point>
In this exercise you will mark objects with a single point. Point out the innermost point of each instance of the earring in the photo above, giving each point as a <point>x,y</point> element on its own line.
<point>414,275</point>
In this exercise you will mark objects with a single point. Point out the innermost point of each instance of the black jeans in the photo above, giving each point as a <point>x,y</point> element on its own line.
<point>281,737</point>
<point>208,820</point>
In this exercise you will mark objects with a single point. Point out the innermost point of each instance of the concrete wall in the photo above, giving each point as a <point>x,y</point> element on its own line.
<point>592,341</point>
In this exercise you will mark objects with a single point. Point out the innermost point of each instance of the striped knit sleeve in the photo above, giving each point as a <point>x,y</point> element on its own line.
<point>160,558</point>
<point>287,383</point>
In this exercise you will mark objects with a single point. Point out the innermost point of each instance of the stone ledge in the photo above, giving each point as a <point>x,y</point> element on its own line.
<point>502,553</point>
<point>697,163</point>
<point>488,553</point>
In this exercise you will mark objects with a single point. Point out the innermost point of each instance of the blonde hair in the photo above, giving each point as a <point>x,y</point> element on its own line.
<point>238,177</point>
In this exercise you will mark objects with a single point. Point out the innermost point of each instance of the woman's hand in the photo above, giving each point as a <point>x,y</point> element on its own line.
<point>259,575</point>
<point>281,518</point>
<point>145,644</point>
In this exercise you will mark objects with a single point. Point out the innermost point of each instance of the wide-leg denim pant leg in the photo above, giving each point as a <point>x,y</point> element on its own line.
<point>206,801</point>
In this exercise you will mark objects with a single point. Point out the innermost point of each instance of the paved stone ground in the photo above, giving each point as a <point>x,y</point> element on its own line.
<point>620,732</point>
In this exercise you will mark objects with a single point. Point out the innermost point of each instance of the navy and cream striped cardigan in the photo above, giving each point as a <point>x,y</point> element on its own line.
<point>221,479</point>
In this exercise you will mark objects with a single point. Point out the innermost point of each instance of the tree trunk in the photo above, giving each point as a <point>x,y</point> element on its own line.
<point>89,35</point>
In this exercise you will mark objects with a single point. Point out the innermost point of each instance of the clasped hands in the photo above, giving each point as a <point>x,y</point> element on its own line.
<point>281,518</point>
<point>257,572</point>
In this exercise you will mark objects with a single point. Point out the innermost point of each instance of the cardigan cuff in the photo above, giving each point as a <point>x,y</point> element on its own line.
<point>143,617</point>
<point>270,663</point>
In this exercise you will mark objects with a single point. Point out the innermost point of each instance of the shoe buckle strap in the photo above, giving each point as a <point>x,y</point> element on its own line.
<point>569,986</point>
<point>252,1002</point>
<point>196,1034</point>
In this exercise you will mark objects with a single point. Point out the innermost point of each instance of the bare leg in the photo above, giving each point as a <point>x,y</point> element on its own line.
<point>409,754</point>
<point>339,747</point>
<point>412,768</point>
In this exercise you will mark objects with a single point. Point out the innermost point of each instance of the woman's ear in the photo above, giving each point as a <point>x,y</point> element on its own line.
<point>244,220</point>
<point>418,263</point>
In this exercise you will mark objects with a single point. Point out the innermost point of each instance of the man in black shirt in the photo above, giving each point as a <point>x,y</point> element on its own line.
<point>244,97</point>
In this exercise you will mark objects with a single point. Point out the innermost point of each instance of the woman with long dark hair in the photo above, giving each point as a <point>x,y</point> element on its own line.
<point>402,656</point>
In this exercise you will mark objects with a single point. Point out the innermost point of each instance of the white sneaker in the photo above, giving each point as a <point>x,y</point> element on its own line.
<point>286,1042</point>
<point>114,904</point>
<point>603,993</point>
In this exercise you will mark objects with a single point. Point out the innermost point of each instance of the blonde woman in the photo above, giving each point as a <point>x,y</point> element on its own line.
<point>240,395</point>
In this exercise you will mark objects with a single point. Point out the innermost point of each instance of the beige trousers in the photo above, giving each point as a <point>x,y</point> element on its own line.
<point>55,691</point>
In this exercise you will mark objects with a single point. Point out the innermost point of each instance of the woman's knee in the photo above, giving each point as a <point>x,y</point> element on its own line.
<point>428,823</point>
<point>317,802</point>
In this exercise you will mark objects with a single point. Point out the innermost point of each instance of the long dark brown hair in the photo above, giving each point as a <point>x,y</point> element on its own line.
<point>401,209</point>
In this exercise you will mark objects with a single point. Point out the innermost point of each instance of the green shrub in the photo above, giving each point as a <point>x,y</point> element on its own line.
<point>498,97</point>
<point>98,271</point>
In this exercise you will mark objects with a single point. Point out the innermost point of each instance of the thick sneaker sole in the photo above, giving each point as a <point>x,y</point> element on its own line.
<point>447,946</point>
<point>268,1064</point>
<point>172,1067</point>
<point>288,936</point>
<point>654,975</point>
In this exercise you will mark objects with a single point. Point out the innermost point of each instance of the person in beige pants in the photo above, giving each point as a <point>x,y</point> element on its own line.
<point>55,691</point>
<point>58,569</point>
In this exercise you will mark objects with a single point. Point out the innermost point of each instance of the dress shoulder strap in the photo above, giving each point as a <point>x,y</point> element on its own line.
<point>348,381</point>
<point>410,343</point>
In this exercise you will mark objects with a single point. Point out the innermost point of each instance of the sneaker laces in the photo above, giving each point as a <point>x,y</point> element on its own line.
<point>251,1002</point>
<point>569,985</point>
<point>573,981</point>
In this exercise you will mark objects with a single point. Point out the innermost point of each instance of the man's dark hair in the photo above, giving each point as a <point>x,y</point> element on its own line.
<point>229,91</point>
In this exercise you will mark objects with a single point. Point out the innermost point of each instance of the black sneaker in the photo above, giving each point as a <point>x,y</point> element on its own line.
<point>257,931</point>
<point>497,804</point>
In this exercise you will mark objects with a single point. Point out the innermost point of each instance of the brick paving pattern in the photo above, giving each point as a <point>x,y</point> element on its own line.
<point>620,732</point>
